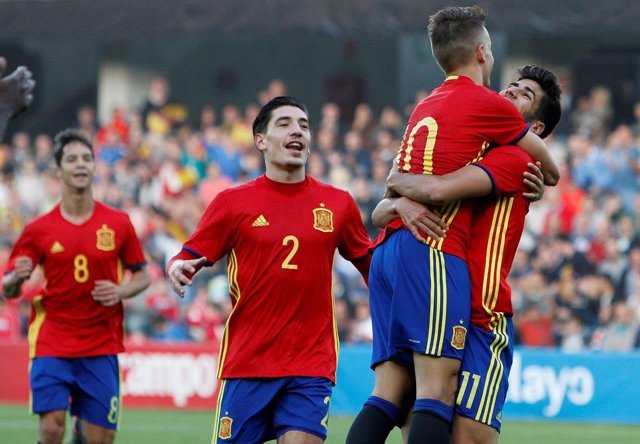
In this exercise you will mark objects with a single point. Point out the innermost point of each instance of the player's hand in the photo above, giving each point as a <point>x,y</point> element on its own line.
<point>181,271</point>
<point>534,180</point>
<point>106,292</point>
<point>23,267</point>
<point>420,219</point>
<point>16,89</point>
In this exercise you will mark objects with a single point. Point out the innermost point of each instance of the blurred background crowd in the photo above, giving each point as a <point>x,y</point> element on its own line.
<point>575,280</point>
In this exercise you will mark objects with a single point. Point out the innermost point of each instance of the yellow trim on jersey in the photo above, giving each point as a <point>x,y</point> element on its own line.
<point>34,328</point>
<point>336,337</point>
<point>449,212</point>
<point>119,394</point>
<point>216,416</point>
<point>495,372</point>
<point>119,271</point>
<point>234,292</point>
<point>30,389</point>
<point>438,301</point>
<point>495,253</point>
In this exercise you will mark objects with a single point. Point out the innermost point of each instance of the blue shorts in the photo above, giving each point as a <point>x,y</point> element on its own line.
<point>258,410</point>
<point>420,300</point>
<point>89,386</point>
<point>484,375</point>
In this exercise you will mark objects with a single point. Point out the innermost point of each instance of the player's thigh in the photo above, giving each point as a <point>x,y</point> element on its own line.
<point>96,399</point>
<point>393,381</point>
<point>244,411</point>
<point>468,431</point>
<point>93,433</point>
<point>298,437</point>
<point>484,375</point>
<point>432,300</point>
<point>51,381</point>
<point>303,407</point>
<point>52,425</point>
<point>436,377</point>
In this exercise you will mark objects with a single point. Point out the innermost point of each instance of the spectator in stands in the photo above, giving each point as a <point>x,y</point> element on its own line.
<point>534,326</point>
<point>86,121</point>
<point>621,332</point>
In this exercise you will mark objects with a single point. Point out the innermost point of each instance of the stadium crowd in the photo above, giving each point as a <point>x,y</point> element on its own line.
<point>575,281</point>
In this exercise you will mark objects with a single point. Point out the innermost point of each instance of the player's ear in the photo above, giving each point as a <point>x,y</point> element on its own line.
<point>537,127</point>
<point>481,55</point>
<point>259,140</point>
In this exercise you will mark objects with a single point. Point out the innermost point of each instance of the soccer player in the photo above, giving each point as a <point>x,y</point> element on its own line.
<point>495,234</point>
<point>16,93</point>
<point>420,291</point>
<point>76,330</point>
<point>279,234</point>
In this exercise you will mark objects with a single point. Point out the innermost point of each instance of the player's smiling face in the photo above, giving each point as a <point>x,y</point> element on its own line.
<point>76,166</point>
<point>287,138</point>
<point>525,94</point>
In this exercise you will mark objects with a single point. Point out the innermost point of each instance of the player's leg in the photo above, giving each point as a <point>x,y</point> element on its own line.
<point>483,383</point>
<point>436,383</point>
<point>301,413</point>
<point>96,400</point>
<point>384,408</point>
<point>244,411</point>
<point>431,317</point>
<point>392,380</point>
<point>50,381</point>
<point>469,431</point>
<point>52,426</point>
<point>298,437</point>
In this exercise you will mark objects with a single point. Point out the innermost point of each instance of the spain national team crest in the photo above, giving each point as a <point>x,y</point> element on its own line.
<point>459,336</point>
<point>323,219</point>
<point>225,427</point>
<point>105,239</point>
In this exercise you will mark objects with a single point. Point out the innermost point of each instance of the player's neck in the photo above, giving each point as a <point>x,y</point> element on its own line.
<point>284,176</point>
<point>77,206</point>
<point>472,71</point>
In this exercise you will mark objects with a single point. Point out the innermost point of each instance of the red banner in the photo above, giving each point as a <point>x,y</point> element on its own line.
<point>153,375</point>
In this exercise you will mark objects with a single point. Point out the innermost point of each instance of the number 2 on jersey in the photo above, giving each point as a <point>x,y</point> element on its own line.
<point>293,242</point>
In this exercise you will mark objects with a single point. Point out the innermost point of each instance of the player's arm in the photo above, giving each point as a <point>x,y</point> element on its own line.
<point>534,145</point>
<point>181,269</point>
<point>13,281</point>
<point>415,216</point>
<point>467,182</point>
<point>109,293</point>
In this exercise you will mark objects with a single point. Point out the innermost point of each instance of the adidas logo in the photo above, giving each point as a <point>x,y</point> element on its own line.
<point>56,248</point>
<point>260,221</point>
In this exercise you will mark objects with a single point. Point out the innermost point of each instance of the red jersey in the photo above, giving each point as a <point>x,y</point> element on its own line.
<point>65,320</point>
<point>446,131</point>
<point>496,230</point>
<point>280,240</point>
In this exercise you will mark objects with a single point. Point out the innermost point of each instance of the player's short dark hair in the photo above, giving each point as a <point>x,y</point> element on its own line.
<point>64,138</point>
<point>453,33</point>
<point>549,111</point>
<point>264,116</point>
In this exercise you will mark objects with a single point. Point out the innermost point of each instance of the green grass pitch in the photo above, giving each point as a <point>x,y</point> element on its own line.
<point>194,427</point>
